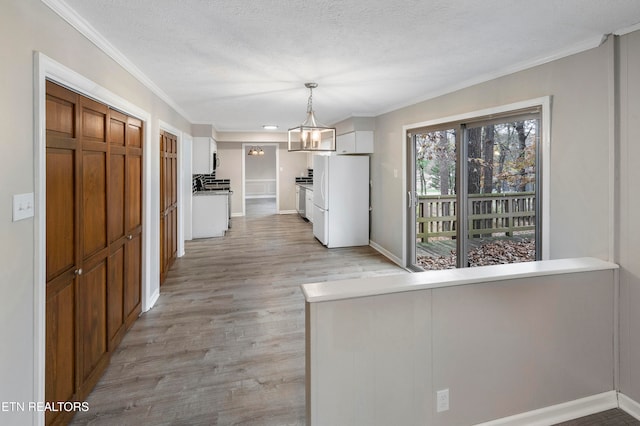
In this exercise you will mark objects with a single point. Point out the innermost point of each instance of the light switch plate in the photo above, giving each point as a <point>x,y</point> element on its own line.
<point>22,206</point>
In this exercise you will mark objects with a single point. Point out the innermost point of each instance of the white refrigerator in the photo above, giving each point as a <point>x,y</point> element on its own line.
<point>341,200</point>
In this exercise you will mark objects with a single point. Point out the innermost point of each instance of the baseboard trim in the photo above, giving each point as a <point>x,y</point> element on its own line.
<point>152,300</point>
<point>386,253</point>
<point>288,212</point>
<point>560,412</point>
<point>629,406</point>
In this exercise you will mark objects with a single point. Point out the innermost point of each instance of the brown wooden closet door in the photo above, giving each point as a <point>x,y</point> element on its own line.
<point>116,226</point>
<point>133,222</point>
<point>168,202</point>
<point>94,244</point>
<point>62,260</point>
<point>125,224</point>
<point>94,240</point>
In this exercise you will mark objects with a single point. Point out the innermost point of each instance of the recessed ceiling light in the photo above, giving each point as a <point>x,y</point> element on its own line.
<point>270,126</point>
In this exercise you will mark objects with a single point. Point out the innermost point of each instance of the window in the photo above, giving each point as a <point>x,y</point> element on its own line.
<point>474,188</point>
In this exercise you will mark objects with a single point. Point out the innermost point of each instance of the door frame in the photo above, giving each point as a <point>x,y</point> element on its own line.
<point>46,68</point>
<point>244,191</point>
<point>544,103</point>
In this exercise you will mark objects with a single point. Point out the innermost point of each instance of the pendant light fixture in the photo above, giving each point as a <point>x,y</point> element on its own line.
<point>255,150</point>
<point>311,136</point>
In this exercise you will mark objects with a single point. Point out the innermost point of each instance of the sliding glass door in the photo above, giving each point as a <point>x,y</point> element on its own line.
<point>473,194</point>
<point>501,191</point>
<point>432,199</point>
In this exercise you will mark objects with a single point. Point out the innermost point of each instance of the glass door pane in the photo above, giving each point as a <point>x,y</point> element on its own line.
<point>501,192</point>
<point>434,199</point>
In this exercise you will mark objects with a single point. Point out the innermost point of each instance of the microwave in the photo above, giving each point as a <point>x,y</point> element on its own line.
<point>215,163</point>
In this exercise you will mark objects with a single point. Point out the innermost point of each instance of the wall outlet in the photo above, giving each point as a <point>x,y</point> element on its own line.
<point>442,400</point>
<point>22,206</point>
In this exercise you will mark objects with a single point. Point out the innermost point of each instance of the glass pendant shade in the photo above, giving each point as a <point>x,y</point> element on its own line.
<point>255,150</point>
<point>311,136</point>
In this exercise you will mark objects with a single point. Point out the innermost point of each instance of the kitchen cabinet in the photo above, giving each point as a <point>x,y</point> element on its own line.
<point>301,200</point>
<point>210,216</point>
<point>202,150</point>
<point>309,204</point>
<point>304,201</point>
<point>358,142</point>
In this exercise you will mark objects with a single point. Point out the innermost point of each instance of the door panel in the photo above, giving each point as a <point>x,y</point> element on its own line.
<point>94,202</point>
<point>134,196</point>
<point>132,289</point>
<point>63,161</point>
<point>92,283</point>
<point>60,343</point>
<point>60,116</point>
<point>431,199</point>
<point>115,294</point>
<point>134,133</point>
<point>92,318</point>
<point>116,197</point>
<point>501,191</point>
<point>117,128</point>
<point>61,224</point>
<point>93,121</point>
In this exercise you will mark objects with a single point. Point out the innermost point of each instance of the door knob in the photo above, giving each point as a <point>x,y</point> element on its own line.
<point>78,271</point>
<point>129,237</point>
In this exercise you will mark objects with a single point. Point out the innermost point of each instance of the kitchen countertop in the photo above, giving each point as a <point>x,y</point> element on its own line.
<point>346,289</point>
<point>212,192</point>
<point>307,186</point>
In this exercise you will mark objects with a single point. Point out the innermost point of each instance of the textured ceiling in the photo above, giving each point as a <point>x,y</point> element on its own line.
<point>240,64</point>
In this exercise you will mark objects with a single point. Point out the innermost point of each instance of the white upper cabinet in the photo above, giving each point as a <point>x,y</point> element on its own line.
<point>358,142</point>
<point>202,154</point>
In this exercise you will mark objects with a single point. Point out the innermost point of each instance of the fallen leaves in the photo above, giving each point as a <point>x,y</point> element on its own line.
<point>494,253</point>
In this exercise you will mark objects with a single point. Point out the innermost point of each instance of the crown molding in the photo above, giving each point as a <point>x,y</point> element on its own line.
<point>584,45</point>
<point>627,30</point>
<point>72,17</point>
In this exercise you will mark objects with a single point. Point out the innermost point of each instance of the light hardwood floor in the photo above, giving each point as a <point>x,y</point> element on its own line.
<point>224,344</point>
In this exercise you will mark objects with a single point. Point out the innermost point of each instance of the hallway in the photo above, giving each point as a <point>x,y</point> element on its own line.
<point>224,344</point>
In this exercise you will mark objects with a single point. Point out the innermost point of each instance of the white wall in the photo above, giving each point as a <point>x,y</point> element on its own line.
<point>628,217</point>
<point>27,26</point>
<point>581,178</point>
<point>501,348</point>
<point>261,166</point>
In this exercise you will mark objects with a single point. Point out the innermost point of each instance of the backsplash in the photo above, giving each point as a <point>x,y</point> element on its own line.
<point>306,179</point>
<point>210,182</point>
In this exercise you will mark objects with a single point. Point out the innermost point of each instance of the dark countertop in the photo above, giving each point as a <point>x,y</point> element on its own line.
<point>307,186</point>
<point>212,192</point>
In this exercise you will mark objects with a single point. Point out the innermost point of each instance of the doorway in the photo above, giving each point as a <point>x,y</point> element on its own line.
<point>474,190</point>
<point>260,179</point>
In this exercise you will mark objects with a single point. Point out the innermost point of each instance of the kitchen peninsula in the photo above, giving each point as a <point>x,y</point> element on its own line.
<point>211,207</point>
